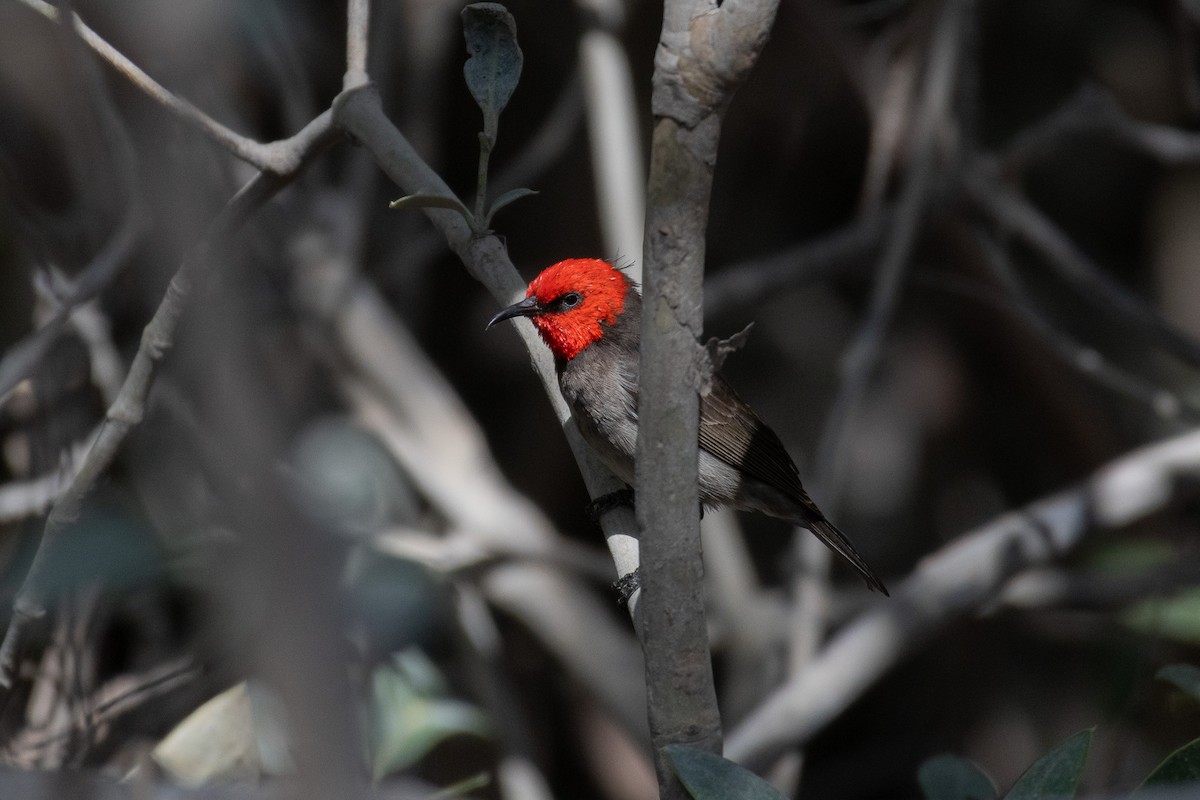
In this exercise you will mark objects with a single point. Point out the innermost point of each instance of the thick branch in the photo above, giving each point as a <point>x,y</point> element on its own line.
<point>957,580</point>
<point>704,52</point>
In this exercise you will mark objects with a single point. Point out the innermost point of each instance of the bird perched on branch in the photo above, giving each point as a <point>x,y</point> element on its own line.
<point>589,315</point>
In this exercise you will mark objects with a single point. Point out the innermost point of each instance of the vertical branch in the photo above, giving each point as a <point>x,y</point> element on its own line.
<point>704,52</point>
<point>358,15</point>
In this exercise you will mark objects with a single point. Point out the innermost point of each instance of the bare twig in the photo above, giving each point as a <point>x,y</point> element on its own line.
<point>1086,360</point>
<point>863,355</point>
<point>127,411</point>
<point>613,133</point>
<point>20,500</point>
<point>1012,212</point>
<point>280,157</point>
<point>1093,111</point>
<point>358,15</point>
<point>20,360</point>
<point>747,283</point>
<point>956,580</point>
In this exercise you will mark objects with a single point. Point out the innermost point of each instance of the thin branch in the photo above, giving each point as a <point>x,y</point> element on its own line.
<point>613,133</point>
<point>127,411</point>
<point>1086,360</point>
<point>21,359</point>
<point>746,284</point>
<point>861,358</point>
<point>280,157</point>
<point>360,113</point>
<point>1095,112</point>
<point>24,499</point>
<point>399,395</point>
<point>957,580</point>
<point>1012,212</point>
<point>358,16</point>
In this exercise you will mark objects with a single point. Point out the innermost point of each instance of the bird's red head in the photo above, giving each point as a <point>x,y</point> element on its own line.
<point>570,301</point>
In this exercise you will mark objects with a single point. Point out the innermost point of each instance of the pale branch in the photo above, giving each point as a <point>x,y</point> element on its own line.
<point>360,114</point>
<point>21,359</point>
<point>358,17</point>
<point>1010,211</point>
<point>957,580</point>
<point>24,499</point>
<point>127,410</point>
<point>398,394</point>
<point>613,133</point>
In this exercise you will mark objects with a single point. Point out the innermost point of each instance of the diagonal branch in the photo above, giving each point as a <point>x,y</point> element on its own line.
<point>359,112</point>
<point>1012,212</point>
<point>957,580</point>
<point>281,157</point>
<point>127,411</point>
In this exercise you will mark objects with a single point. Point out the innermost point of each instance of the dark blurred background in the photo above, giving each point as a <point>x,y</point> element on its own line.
<point>971,413</point>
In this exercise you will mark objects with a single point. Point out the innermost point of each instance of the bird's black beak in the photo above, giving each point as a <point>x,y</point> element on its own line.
<point>526,308</point>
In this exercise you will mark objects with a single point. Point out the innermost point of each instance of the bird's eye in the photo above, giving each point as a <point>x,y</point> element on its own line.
<point>571,299</point>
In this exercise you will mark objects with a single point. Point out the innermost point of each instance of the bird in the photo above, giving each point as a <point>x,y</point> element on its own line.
<point>588,313</point>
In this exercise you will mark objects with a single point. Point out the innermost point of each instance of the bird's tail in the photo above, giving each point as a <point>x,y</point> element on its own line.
<point>836,541</point>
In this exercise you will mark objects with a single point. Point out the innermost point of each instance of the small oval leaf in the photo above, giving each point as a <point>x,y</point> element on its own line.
<point>1181,767</point>
<point>495,61</point>
<point>950,777</point>
<point>505,199</point>
<point>1184,676</point>
<point>707,776</point>
<point>1055,775</point>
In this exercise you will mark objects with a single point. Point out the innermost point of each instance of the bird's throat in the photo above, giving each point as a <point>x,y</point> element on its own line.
<point>568,334</point>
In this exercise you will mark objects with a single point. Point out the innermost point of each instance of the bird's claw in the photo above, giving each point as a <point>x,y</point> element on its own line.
<point>626,585</point>
<point>607,502</point>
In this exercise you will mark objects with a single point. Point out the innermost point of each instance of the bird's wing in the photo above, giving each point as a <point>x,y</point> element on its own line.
<point>731,431</point>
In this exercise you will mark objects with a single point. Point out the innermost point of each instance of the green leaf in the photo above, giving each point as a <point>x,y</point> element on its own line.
<point>707,776</point>
<point>1056,774</point>
<point>1182,766</point>
<point>410,715</point>
<point>950,777</point>
<point>1176,617</point>
<point>505,199</point>
<point>494,65</point>
<point>1184,676</point>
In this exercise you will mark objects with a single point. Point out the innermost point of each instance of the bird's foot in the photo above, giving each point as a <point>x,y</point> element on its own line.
<point>607,502</point>
<point>626,585</point>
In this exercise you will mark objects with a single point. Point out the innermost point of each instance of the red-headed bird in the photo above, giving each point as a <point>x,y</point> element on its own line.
<point>589,314</point>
